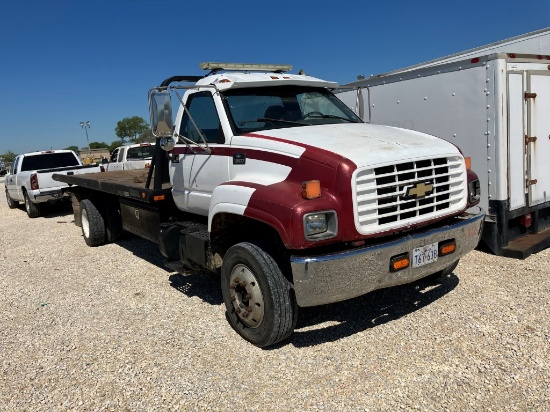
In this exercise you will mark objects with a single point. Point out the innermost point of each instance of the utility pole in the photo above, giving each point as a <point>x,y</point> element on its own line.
<point>86,126</point>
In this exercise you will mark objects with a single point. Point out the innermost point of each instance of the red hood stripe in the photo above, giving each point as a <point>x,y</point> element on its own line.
<point>312,152</point>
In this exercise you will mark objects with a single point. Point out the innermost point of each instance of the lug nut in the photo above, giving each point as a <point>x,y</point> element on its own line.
<point>245,315</point>
<point>233,298</point>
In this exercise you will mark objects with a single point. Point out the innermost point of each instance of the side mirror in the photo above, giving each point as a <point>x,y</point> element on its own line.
<point>160,110</point>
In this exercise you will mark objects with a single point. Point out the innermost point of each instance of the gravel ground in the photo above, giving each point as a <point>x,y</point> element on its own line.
<point>110,328</point>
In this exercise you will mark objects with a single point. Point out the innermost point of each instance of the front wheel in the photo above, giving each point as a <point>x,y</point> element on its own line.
<point>92,224</point>
<point>260,301</point>
<point>33,209</point>
<point>12,204</point>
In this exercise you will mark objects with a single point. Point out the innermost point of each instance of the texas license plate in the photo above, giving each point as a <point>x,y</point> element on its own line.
<point>424,255</point>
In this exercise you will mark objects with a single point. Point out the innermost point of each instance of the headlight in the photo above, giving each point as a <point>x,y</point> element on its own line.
<point>316,224</point>
<point>320,225</point>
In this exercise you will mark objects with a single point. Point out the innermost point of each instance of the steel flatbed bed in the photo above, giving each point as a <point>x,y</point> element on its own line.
<point>123,183</point>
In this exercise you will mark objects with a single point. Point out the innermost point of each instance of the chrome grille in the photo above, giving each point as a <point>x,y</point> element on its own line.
<point>382,204</point>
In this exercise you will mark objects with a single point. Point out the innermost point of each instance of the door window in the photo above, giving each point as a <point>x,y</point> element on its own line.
<point>13,170</point>
<point>203,112</point>
<point>114,155</point>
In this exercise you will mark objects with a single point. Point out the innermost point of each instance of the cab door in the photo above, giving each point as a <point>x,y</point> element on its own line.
<point>117,157</point>
<point>11,180</point>
<point>196,172</point>
<point>538,136</point>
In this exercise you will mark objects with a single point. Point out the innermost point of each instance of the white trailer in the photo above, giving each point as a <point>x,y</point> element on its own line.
<point>496,108</point>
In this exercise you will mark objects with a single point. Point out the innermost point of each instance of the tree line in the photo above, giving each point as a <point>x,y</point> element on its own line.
<point>129,130</point>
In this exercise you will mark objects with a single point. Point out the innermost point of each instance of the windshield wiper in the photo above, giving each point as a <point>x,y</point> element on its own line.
<point>267,119</point>
<point>327,116</point>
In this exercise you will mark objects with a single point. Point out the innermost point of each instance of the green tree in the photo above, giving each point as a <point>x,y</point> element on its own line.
<point>146,137</point>
<point>97,145</point>
<point>131,128</point>
<point>73,148</point>
<point>114,145</point>
<point>9,156</point>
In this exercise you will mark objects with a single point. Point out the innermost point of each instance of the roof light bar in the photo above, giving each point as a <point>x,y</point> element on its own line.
<point>246,66</point>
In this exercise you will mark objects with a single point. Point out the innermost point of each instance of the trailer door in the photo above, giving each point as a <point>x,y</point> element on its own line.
<point>516,140</point>
<point>538,126</point>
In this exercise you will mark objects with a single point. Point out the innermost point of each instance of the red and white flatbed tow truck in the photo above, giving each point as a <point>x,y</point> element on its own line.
<point>269,179</point>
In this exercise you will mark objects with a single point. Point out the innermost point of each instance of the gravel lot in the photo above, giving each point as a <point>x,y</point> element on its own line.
<point>110,328</point>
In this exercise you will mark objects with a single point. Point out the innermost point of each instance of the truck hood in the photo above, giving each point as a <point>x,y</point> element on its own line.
<point>367,144</point>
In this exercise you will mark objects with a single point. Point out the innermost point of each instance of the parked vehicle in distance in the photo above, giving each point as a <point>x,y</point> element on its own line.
<point>131,157</point>
<point>494,106</point>
<point>3,169</point>
<point>272,180</point>
<point>30,178</point>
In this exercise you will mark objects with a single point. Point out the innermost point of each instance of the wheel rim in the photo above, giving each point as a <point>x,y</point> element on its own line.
<point>246,296</point>
<point>85,223</point>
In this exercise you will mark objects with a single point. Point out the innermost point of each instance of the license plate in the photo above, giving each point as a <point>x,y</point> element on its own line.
<point>424,255</point>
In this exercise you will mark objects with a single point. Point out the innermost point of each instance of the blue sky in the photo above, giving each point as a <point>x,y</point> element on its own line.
<point>69,61</point>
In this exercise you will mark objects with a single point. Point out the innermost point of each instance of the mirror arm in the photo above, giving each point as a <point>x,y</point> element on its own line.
<point>188,142</point>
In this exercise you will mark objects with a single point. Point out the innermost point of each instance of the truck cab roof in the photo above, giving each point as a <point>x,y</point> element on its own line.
<point>233,80</point>
<point>225,76</point>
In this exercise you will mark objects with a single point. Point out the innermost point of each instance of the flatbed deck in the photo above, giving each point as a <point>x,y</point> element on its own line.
<point>124,183</point>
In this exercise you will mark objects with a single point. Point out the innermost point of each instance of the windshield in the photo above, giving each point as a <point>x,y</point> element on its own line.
<point>140,152</point>
<point>262,108</point>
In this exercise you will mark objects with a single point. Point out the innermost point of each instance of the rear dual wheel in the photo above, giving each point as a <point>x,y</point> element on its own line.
<point>259,300</point>
<point>92,224</point>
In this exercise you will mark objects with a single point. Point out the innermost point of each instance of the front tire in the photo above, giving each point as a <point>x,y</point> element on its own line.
<point>259,300</point>
<point>12,204</point>
<point>92,224</point>
<point>33,209</point>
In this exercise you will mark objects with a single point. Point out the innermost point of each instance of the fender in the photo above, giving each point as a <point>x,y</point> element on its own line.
<point>279,206</point>
<point>271,191</point>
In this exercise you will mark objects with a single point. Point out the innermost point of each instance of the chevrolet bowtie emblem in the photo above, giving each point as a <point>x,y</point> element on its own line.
<point>419,190</point>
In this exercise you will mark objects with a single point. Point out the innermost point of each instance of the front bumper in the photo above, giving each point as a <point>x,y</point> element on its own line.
<point>339,276</point>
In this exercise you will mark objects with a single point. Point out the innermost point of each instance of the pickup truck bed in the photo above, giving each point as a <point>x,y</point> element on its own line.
<point>125,183</point>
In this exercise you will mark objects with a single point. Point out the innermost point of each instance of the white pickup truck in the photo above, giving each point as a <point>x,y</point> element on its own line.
<point>271,181</point>
<point>130,157</point>
<point>30,178</point>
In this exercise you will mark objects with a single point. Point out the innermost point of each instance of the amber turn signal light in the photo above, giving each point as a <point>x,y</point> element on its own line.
<point>468,161</point>
<point>399,262</point>
<point>311,189</point>
<point>447,247</point>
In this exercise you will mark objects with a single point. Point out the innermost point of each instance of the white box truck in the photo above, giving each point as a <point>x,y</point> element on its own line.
<point>494,104</point>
